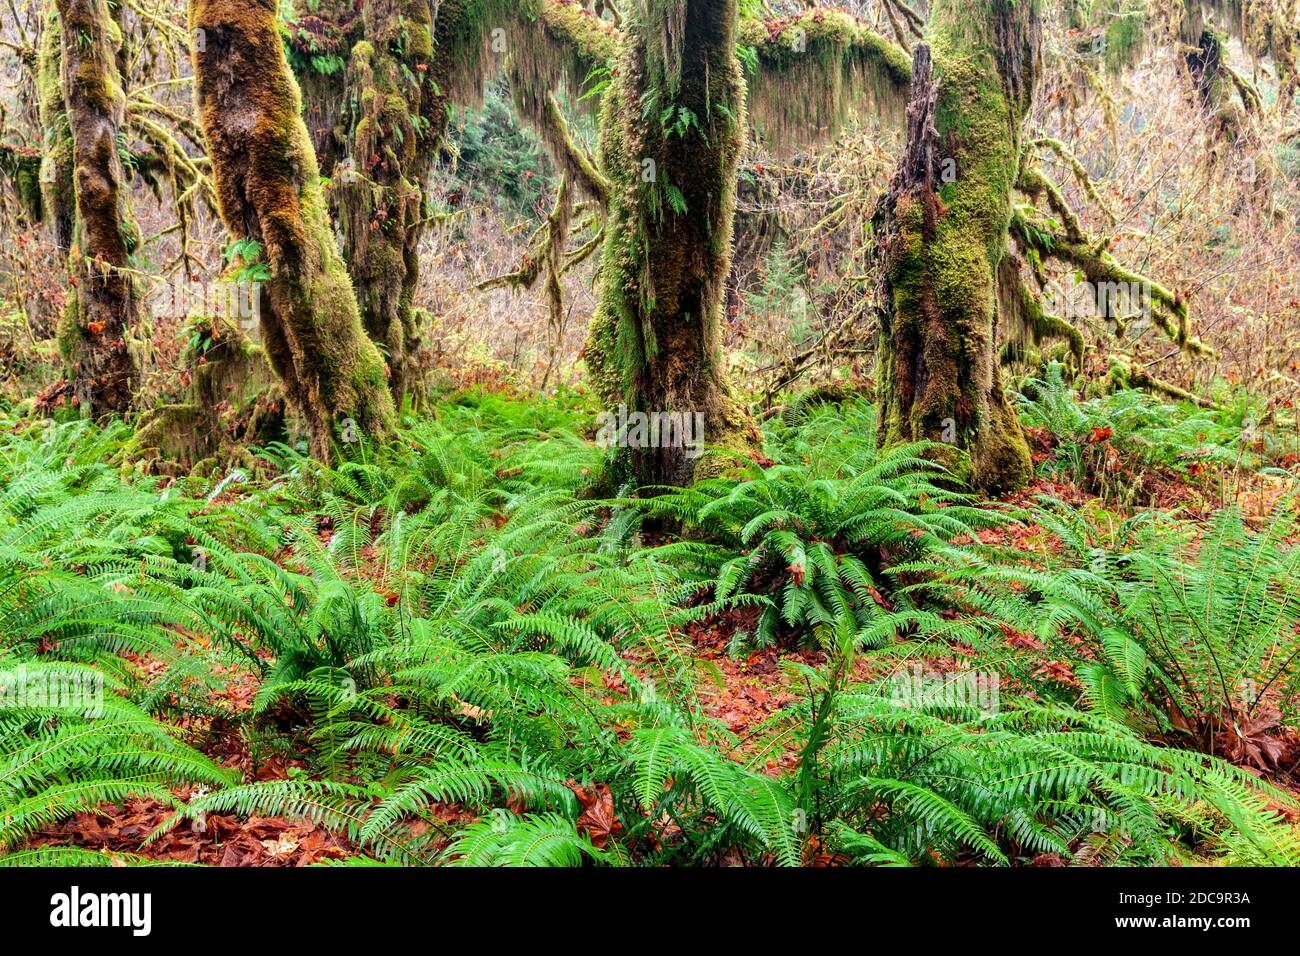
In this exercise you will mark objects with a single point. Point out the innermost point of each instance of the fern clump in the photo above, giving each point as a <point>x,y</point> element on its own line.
<point>1109,444</point>
<point>1188,633</point>
<point>475,663</point>
<point>811,533</point>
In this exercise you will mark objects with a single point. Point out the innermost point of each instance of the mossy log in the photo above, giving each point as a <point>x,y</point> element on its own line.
<point>103,304</point>
<point>943,228</point>
<point>269,190</point>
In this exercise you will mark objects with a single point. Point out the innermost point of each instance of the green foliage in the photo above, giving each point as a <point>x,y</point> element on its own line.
<point>76,592</point>
<point>810,533</point>
<point>446,621</point>
<point>1191,638</point>
<point>1108,443</point>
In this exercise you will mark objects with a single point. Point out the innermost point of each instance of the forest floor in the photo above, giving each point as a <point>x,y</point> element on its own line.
<point>742,688</point>
<point>742,692</point>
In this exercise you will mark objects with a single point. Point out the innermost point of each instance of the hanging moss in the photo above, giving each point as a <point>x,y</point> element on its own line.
<point>1215,91</point>
<point>544,43</point>
<point>318,40</point>
<point>813,68</point>
<point>1023,319</point>
<point>269,190</point>
<point>396,116</point>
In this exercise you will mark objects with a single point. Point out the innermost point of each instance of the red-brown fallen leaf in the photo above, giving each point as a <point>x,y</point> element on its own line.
<point>598,819</point>
<point>1252,741</point>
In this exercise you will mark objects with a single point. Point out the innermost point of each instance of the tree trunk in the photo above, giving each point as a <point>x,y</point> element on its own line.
<point>672,127</point>
<point>321,31</point>
<point>943,228</point>
<point>396,117</point>
<point>58,195</point>
<point>93,331</point>
<point>269,191</point>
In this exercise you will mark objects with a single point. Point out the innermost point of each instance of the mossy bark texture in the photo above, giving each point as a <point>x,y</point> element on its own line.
<point>396,114</point>
<point>58,195</point>
<point>943,228</point>
<point>102,305</point>
<point>324,29</point>
<point>21,165</point>
<point>269,190</point>
<point>672,127</point>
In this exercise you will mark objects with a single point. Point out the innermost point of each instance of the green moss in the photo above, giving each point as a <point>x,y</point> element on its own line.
<point>654,343</point>
<point>70,333</point>
<point>57,195</point>
<point>814,68</point>
<point>311,322</point>
<point>939,377</point>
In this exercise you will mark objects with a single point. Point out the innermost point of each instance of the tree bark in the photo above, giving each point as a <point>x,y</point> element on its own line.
<point>269,191</point>
<point>58,195</point>
<point>672,128</point>
<point>92,334</point>
<point>396,117</point>
<point>943,228</point>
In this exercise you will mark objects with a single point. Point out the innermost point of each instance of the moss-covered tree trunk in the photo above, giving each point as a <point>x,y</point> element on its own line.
<point>102,305</point>
<point>269,191</point>
<point>943,228</point>
<point>320,36</point>
<point>672,127</point>
<point>58,198</point>
<point>396,115</point>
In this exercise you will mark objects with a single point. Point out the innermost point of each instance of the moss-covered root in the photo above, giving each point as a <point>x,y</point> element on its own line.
<point>268,188</point>
<point>944,235</point>
<point>102,306</point>
<point>655,343</point>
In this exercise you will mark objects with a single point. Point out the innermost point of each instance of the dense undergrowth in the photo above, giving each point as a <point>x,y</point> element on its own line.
<point>453,621</point>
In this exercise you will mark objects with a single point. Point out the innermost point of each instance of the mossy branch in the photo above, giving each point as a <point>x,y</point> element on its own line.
<point>1080,173</point>
<point>1168,310</point>
<point>812,68</point>
<point>576,161</point>
<point>1125,374</point>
